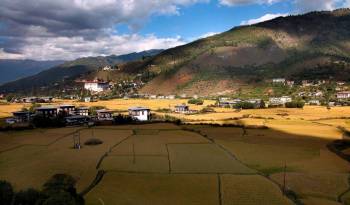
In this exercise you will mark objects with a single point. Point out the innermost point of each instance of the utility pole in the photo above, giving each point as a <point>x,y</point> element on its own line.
<point>284,178</point>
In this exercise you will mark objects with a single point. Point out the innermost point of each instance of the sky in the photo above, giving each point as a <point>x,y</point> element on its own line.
<point>69,29</point>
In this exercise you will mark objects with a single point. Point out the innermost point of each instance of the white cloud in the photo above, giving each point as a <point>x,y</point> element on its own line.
<point>69,48</point>
<point>316,5</point>
<point>265,17</point>
<point>245,2</point>
<point>208,34</point>
<point>66,29</point>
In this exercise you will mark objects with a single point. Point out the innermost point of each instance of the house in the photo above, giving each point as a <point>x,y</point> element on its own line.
<point>182,108</point>
<point>46,111</point>
<point>279,80</point>
<point>140,113</point>
<point>82,111</point>
<point>29,100</point>
<point>107,68</point>
<point>170,97</point>
<point>21,116</point>
<point>66,109</point>
<point>314,102</point>
<point>279,100</point>
<point>104,115</point>
<point>343,95</point>
<point>76,120</point>
<point>153,97</point>
<point>229,103</point>
<point>96,85</point>
<point>256,102</point>
<point>87,99</point>
<point>290,83</point>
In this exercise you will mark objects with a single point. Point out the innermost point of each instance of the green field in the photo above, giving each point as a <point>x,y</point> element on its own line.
<point>189,164</point>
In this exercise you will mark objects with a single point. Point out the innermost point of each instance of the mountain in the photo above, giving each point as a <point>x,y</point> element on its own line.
<point>11,70</point>
<point>312,46</point>
<point>69,71</point>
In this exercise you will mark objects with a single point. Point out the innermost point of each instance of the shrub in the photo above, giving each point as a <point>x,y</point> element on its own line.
<point>93,141</point>
<point>123,119</point>
<point>207,110</point>
<point>295,104</point>
<point>245,105</point>
<point>27,197</point>
<point>196,101</point>
<point>6,192</point>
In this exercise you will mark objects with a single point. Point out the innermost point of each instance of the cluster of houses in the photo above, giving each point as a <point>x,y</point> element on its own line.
<point>33,100</point>
<point>257,103</point>
<point>77,115</point>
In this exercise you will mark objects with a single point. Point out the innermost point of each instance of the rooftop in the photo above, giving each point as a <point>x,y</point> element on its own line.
<point>138,108</point>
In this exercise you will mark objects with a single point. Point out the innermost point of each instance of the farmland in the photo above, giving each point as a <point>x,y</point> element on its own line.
<point>186,164</point>
<point>194,163</point>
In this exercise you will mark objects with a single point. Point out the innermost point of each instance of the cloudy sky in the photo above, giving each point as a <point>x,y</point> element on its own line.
<point>68,29</point>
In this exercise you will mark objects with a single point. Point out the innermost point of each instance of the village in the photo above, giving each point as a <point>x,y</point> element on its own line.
<point>308,93</point>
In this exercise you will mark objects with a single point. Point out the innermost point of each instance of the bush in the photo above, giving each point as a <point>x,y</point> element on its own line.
<point>123,119</point>
<point>207,110</point>
<point>245,105</point>
<point>195,101</point>
<point>6,192</point>
<point>27,197</point>
<point>93,141</point>
<point>295,104</point>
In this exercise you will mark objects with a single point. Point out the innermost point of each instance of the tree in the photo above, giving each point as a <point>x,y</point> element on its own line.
<point>27,197</point>
<point>6,192</point>
<point>61,198</point>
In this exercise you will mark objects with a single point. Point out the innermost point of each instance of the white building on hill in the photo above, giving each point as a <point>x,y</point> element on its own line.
<point>96,86</point>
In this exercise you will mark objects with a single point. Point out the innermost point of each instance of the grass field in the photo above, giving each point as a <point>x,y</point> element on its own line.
<point>189,164</point>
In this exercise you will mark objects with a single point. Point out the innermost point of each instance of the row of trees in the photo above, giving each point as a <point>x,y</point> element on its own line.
<point>58,190</point>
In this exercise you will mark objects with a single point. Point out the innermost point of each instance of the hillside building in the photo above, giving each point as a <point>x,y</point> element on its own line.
<point>279,80</point>
<point>96,86</point>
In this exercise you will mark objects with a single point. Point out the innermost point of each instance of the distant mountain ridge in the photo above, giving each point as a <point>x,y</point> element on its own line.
<point>70,70</point>
<point>11,70</point>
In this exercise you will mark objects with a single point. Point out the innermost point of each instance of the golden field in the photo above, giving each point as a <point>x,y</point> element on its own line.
<point>192,163</point>
<point>294,121</point>
<point>187,164</point>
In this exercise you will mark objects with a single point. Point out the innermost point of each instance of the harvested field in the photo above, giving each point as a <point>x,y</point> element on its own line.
<point>321,185</point>
<point>251,190</point>
<point>142,164</point>
<point>32,165</point>
<point>318,201</point>
<point>155,189</point>
<point>203,158</point>
<point>188,164</point>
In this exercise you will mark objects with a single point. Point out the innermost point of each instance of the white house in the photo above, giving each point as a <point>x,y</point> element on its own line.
<point>182,108</point>
<point>140,113</point>
<point>279,80</point>
<point>343,95</point>
<point>96,86</point>
<point>107,68</point>
<point>280,100</point>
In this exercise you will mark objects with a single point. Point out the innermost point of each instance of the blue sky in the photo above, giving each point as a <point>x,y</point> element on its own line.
<point>202,18</point>
<point>69,29</point>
